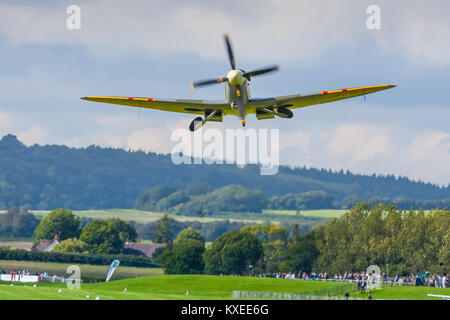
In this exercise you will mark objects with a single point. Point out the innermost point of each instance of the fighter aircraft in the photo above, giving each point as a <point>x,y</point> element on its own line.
<point>238,101</point>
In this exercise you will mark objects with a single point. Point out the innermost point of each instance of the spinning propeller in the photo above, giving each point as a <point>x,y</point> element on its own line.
<point>232,75</point>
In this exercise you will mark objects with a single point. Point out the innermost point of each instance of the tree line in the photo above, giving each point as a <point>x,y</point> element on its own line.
<point>407,241</point>
<point>100,236</point>
<point>47,177</point>
<point>20,223</point>
<point>199,199</point>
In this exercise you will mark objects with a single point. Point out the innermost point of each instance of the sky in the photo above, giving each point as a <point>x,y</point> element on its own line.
<point>156,48</point>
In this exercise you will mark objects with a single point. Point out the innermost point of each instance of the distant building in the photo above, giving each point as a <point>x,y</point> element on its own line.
<point>142,249</point>
<point>46,245</point>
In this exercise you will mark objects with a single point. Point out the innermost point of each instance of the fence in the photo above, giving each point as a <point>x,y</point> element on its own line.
<point>284,296</point>
<point>389,283</point>
<point>331,293</point>
<point>34,279</point>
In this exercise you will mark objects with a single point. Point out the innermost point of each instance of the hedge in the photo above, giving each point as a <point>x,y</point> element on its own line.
<point>23,255</point>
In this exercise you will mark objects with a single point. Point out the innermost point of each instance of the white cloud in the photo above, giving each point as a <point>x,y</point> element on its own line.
<point>149,139</point>
<point>6,121</point>
<point>195,27</point>
<point>34,134</point>
<point>360,142</point>
<point>261,30</point>
<point>28,134</point>
<point>416,30</point>
<point>428,157</point>
<point>297,140</point>
<point>430,145</point>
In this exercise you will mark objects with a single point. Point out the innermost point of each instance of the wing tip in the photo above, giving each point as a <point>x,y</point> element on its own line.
<point>389,86</point>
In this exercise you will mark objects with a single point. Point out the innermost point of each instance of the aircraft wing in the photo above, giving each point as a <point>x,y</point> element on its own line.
<point>173,105</point>
<point>304,100</point>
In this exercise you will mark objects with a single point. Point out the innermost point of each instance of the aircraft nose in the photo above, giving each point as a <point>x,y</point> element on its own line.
<point>235,77</point>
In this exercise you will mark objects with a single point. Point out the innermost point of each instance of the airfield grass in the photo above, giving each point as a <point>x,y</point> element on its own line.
<point>25,245</point>
<point>405,293</point>
<point>200,287</point>
<point>142,217</point>
<point>166,287</point>
<point>328,213</point>
<point>88,272</point>
<point>266,216</point>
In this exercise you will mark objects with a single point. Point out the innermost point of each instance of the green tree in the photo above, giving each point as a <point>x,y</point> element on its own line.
<point>410,242</point>
<point>233,253</point>
<point>197,188</point>
<point>274,256</point>
<point>305,201</point>
<point>60,221</point>
<point>150,197</point>
<point>273,240</point>
<point>126,231</point>
<point>72,246</point>
<point>171,200</point>
<point>301,253</point>
<point>189,234</point>
<point>185,256</point>
<point>233,198</point>
<point>17,223</point>
<point>163,231</point>
<point>101,237</point>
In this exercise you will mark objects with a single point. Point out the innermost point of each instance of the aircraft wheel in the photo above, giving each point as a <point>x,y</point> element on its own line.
<point>286,112</point>
<point>192,126</point>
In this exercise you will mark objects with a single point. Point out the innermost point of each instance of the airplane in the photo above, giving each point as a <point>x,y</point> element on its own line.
<point>238,101</point>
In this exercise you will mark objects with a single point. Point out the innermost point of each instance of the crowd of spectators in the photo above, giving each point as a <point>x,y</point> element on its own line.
<point>362,279</point>
<point>16,275</point>
<point>20,272</point>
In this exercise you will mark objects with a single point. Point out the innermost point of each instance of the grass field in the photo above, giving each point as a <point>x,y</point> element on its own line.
<point>161,287</point>
<point>26,245</point>
<point>331,213</point>
<point>146,216</point>
<point>88,272</point>
<point>277,217</point>
<point>406,293</point>
<point>200,287</point>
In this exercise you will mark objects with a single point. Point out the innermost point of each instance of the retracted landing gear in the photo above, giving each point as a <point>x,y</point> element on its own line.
<point>282,111</point>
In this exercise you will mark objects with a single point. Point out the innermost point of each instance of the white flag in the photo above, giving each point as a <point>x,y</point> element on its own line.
<point>112,268</point>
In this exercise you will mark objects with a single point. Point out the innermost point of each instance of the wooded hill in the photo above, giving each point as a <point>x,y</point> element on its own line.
<point>51,176</point>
